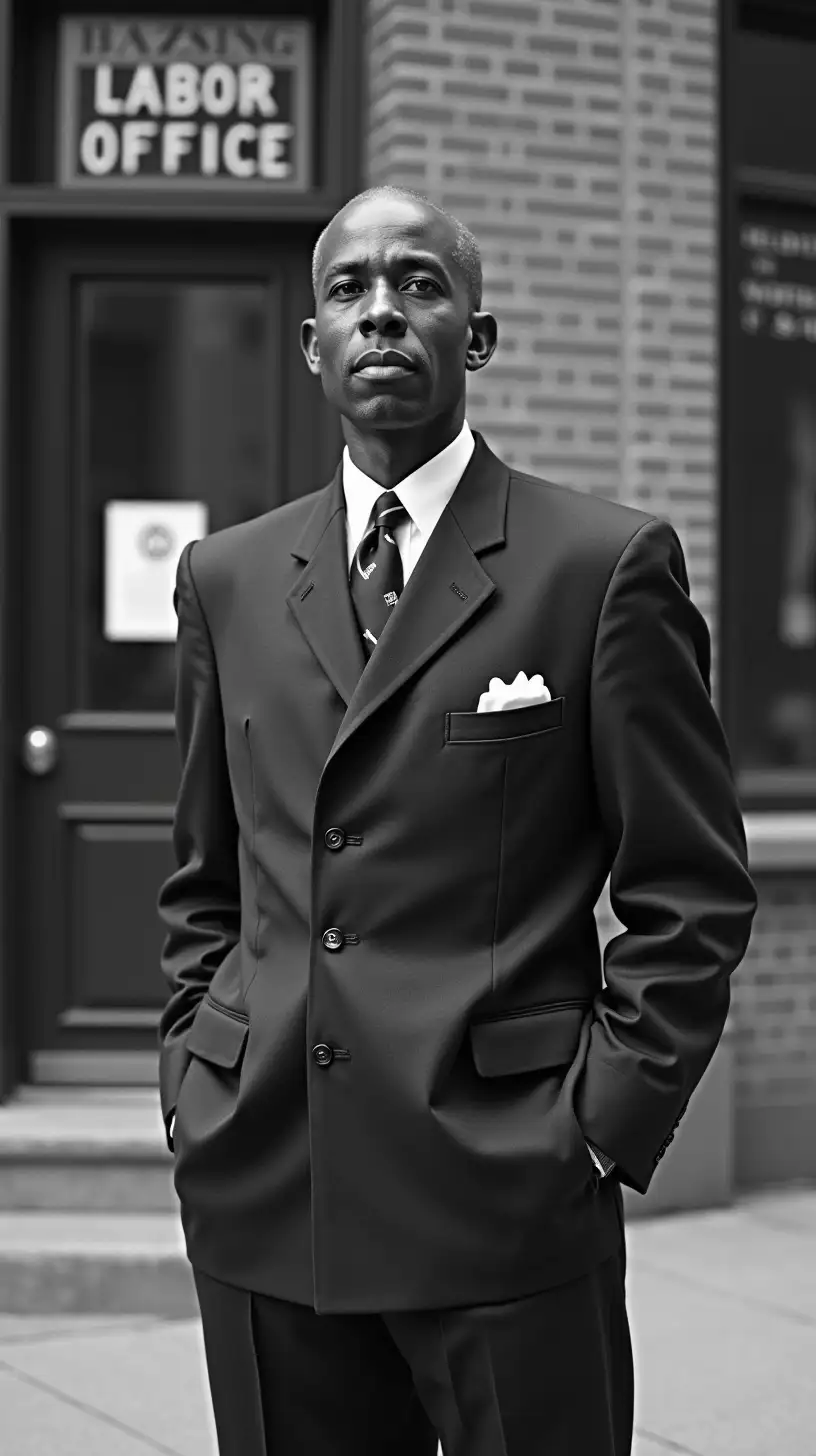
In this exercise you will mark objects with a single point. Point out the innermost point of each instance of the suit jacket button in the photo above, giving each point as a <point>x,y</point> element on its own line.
<point>322,1054</point>
<point>334,838</point>
<point>333,939</point>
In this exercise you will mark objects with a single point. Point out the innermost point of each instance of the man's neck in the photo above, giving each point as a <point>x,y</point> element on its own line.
<point>388,456</point>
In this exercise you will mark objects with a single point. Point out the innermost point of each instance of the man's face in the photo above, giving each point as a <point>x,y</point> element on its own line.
<point>393,332</point>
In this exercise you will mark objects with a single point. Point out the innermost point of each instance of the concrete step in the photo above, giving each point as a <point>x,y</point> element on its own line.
<point>95,1149</point>
<point>89,1218</point>
<point>103,1263</point>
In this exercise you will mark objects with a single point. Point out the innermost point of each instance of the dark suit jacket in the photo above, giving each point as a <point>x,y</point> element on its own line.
<point>389,1028</point>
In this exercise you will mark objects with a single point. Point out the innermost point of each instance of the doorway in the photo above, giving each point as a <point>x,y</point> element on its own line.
<point>158,375</point>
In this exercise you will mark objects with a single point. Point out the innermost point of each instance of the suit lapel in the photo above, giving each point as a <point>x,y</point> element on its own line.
<point>446,588</point>
<point>320,598</point>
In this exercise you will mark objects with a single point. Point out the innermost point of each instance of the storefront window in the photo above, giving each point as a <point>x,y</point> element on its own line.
<point>771,526</point>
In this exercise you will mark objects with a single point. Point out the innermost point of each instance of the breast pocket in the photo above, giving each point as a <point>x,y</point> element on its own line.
<point>504,726</point>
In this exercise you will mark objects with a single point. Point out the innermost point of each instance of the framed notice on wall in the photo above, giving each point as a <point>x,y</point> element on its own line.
<point>185,103</point>
<point>771,526</point>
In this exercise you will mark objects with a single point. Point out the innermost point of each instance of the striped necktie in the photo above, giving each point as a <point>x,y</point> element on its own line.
<point>376,572</point>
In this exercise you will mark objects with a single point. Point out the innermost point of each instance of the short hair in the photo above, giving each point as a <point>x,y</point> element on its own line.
<point>465,251</point>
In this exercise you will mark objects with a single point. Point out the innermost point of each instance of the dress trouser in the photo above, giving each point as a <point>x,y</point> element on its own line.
<point>547,1375</point>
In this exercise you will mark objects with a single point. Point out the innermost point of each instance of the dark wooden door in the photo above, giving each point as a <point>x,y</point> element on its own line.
<point>157,372</point>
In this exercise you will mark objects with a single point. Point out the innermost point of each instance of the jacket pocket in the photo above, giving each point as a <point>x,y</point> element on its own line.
<point>218,1034</point>
<point>506,724</point>
<point>528,1040</point>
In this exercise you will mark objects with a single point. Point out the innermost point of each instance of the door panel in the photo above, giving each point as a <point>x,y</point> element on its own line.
<point>159,373</point>
<point>114,865</point>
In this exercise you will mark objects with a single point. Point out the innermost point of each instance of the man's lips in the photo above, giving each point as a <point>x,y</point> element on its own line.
<point>383,364</point>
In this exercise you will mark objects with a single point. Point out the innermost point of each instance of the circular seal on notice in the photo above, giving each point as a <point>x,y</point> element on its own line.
<point>155,541</point>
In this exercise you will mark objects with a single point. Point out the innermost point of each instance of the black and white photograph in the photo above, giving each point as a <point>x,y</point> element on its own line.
<point>408,706</point>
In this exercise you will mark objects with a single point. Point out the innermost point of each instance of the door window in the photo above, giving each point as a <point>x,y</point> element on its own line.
<point>176,402</point>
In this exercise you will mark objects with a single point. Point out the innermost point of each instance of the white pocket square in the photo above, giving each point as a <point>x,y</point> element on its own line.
<point>520,693</point>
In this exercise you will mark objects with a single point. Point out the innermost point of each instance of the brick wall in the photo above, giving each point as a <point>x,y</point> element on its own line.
<point>578,138</point>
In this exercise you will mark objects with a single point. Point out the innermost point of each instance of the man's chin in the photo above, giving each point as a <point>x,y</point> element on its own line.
<point>385,412</point>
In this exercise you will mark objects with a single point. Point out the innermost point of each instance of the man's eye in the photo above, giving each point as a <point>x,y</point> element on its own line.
<point>423,285</point>
<point>350,283</point>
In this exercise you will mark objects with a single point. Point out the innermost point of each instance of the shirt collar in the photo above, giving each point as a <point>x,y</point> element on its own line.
<point>424,493</point>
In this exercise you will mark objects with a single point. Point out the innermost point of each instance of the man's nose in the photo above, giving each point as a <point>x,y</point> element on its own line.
<point>383,314</point>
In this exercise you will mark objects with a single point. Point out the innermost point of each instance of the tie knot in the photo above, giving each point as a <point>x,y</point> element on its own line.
<point>388,509</point>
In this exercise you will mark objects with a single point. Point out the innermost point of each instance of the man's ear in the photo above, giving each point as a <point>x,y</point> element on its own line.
<point>484,335</point>
<point>309,345</point>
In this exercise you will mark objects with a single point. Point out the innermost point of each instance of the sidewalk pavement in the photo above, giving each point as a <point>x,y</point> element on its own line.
<point>722,1307</point>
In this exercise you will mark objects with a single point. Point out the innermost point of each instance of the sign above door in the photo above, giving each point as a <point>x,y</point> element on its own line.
<point>185,103</point>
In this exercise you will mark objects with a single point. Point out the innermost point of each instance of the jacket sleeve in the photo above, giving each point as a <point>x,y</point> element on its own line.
<point>200,902</point>
<point>679,882</point>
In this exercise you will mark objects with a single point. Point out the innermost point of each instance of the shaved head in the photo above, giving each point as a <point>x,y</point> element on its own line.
<point>464,250</point>
<point>396,326</point>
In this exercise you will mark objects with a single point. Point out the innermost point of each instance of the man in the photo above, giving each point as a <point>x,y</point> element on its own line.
<point>423,713</point>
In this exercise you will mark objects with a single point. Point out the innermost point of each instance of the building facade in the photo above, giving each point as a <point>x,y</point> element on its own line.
<point>646,247</point>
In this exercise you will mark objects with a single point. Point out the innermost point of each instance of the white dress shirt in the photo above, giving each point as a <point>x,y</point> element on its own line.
<point>424,493</point>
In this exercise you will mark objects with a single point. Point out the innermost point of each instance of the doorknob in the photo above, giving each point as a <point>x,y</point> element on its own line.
<point>40,750</point>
